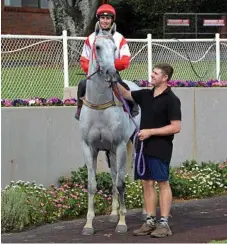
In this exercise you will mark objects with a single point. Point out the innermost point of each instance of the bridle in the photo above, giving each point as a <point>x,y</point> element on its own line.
<point>121,102</point>
<point>110,103</point>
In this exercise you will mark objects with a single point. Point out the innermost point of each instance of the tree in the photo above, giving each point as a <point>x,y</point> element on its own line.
<point>75,16</point>
<point>146,16</point>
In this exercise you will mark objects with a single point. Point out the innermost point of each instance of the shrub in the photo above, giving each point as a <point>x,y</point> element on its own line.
<point>39,202</point>
<point>192,180</point>
<point>103,179</point>
<point>14,210</point>
<point>133,195</point>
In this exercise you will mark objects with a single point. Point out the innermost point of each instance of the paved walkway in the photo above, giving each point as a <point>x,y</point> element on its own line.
<point>192,221</point>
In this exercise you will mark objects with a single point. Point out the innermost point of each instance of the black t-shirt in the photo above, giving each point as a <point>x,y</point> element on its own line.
<point>157,112</point>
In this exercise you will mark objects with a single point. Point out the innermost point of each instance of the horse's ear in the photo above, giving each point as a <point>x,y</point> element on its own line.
<point>97,28</point>
<point>113,28</point>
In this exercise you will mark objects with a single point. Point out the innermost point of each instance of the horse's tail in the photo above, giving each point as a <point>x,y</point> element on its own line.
<point>108,157</point>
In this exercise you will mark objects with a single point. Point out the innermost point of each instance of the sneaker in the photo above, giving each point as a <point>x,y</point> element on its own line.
<point>161,230</point>
<point>144,230</point>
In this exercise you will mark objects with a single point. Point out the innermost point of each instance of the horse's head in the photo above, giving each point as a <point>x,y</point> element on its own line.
<point>104,50</point>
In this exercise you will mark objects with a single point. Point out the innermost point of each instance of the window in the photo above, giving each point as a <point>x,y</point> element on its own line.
<point>27,3</point>
<point>30,3</point>
<point>43,3</point>
<point>13,3</point>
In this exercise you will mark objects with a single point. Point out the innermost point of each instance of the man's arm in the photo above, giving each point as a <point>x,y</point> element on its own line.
<point>173,128</point>
<point>174,116</point>
<point>124,92</point>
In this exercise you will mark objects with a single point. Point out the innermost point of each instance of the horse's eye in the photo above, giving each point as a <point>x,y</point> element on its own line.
<point>97,47</point>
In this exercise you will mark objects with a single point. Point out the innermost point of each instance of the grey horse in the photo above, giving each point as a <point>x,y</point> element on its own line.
<point>105,126</point>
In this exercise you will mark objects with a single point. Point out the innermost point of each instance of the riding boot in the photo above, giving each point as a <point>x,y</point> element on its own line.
<point>80,93</point>
<point>135,109</point>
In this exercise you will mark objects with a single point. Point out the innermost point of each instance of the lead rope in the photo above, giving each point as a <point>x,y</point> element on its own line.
<point>140,158</point>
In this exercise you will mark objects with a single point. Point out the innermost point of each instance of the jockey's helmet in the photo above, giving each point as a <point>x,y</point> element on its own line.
<point>106,10</point>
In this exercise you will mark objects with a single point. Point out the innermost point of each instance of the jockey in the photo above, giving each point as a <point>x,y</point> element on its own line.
<point>106,16</point>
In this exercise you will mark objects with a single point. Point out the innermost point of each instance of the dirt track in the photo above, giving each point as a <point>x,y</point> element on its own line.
<point>192,221</point>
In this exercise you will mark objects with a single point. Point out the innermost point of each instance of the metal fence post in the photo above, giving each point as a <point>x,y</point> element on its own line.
<point>149,50</point>
<point>218,56</point>
<point>65,59</point>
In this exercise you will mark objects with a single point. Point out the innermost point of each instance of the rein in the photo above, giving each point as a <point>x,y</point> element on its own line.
<point>125,105</point>
<point>135,138</point>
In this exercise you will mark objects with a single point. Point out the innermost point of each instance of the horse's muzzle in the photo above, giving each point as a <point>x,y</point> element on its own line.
<point>111,76</point>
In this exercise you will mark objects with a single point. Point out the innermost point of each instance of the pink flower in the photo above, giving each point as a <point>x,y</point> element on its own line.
<point>73,196</point>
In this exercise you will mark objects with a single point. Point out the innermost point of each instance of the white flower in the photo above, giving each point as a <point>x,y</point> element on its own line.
<point>31,102</point>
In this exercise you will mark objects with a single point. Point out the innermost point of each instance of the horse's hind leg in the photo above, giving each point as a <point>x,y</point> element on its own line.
<point>120,183</point>
<point>91,162</point>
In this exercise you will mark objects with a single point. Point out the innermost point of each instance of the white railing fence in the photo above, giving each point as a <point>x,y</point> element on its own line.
<point>41,66</point>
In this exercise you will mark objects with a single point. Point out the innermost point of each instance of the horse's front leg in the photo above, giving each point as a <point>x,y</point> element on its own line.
<point>121,154</point>
<point>90,156</point>
<point>113,170</point>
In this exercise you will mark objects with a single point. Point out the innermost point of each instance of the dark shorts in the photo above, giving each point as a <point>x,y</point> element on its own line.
<point>155,169</point>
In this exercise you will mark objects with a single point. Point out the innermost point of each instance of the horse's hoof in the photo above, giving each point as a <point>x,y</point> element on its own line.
<point>113,218</point>
<point>121,229</point>
<point>88,231</point>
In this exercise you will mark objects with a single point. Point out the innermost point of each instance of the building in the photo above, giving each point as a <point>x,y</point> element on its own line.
<point>26,17</point>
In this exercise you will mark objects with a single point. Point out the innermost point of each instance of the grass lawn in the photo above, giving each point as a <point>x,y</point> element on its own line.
<point>41,81</point>
<point>223,241</point>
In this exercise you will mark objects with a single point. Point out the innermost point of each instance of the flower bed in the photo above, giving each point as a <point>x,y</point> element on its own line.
<point>72,102</point>
<point>25,204</point>
<point>38,102</point>
<point>180,83</point>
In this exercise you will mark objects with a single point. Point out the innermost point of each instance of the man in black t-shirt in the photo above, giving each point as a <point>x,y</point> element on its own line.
<point>160,120</point>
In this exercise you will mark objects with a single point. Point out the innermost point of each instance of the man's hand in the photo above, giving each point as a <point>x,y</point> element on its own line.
<point>144,134</point>
<point>171,129</point>
<point>125,93</point>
